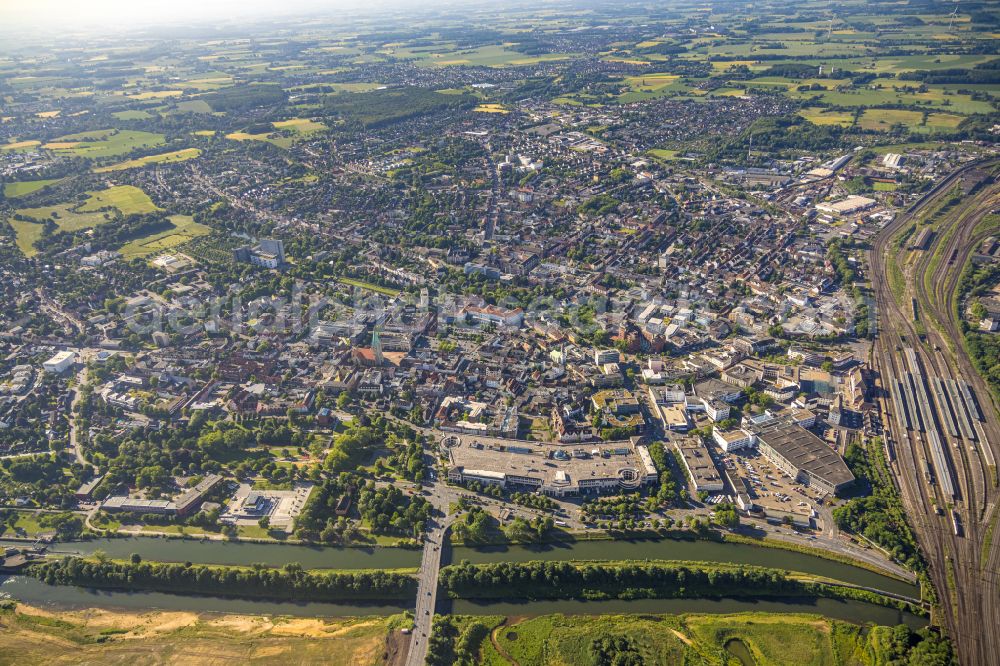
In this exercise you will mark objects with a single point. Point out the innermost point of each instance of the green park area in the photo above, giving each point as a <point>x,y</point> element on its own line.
<point>184,229</point>
<point>23,188</point>
<point>97,208</point>
<point>103,143</point>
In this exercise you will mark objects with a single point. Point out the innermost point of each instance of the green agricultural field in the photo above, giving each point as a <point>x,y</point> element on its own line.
<point>273,138</point>
<point>26,187</point>
<point>21,145</point>
<point>493,55</point>
<point>885,119</point>
<point>104,143</point>
<point>185,229</point>
<point>65,216</point>
<point>136,114</point>
<point>193,106</point>
<point>175,156</point>
<point>821,116</point>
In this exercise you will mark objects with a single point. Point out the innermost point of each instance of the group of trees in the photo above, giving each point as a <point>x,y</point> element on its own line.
<point>390,511</point>
<point>845,272</point>
<point>318,520</point>
<point>476,526</point>
<point>520,530</point>
<point>377,108</point>
<point>984,348</point>
<point>350,447</point>
<point>289,582</point>
<point>622,507</point>
<point>548,580</point>
<point>408,460</point>
<point>454,645</point>
<point>41,478</point>
<point>902,645</point>
<point>534,501</point>
<point>879,517</point>
<point>615,651</point>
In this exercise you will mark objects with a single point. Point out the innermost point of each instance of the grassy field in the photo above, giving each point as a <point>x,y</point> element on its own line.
<point>104,143</point>
<point>300,125</point>
<point>185,229</point>
<point>136,114</point>
<point>175,156</point>
<point>491,108</point>
<point>273,138</point>
<point>73,216</point>
<point>492,55</point>
<point>884,119</point>
<point>37,636</point>
<point>663,154</point>
<point>191,106</point>
<point>27,524</point>
<point>26,187</point>
<point>26,235</point>
<point>771,639</point>
<point>821,116</point>
<point>126,198</point>
<point>20,145</point>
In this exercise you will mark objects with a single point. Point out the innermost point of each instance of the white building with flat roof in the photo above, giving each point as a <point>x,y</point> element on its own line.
<point>733,440</point>
<point>60,362</point>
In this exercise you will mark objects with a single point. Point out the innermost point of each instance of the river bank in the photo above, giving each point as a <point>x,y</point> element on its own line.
<point>241,553</point>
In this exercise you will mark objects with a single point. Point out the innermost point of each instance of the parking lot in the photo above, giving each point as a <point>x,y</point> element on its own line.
<point>770,488</point>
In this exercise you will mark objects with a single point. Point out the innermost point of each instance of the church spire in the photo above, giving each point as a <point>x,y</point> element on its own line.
<point>377,346</point>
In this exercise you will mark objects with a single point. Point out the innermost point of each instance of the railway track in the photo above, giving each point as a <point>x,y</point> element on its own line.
<point>952,540</point>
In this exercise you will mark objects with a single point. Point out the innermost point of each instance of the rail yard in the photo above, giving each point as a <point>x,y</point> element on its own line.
<point>942,425</point>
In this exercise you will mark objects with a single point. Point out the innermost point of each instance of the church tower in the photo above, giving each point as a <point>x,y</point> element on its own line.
<point>377,347</point>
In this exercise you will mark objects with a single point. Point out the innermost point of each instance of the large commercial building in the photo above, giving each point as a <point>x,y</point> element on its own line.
<point>550,469</point>
<point>182,505</point>
<point>849,206</point>
<point>699,465</point>
<point>804,456</point>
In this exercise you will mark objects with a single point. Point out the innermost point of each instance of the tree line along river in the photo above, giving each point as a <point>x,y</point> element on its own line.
<point>246,553</point>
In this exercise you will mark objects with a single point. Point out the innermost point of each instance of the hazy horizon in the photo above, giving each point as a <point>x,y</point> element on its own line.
<point>115,14</point>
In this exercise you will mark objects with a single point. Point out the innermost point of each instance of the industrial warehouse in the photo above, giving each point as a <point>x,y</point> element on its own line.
<point>804,457</point>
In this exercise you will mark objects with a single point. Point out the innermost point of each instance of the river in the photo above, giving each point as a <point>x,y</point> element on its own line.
<point>679,549</point>
<point>65,597</point>
<point>61,597</point>
<point>242,553</point>
<point>316,557</point>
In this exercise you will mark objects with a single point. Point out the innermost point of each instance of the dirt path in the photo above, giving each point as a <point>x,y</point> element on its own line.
<point>496,645</point>
<point>397,645</point>
<point>684,639</point>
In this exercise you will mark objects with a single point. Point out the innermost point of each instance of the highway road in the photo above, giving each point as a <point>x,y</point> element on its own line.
<point>430,567</point>
<point>918,343</point>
